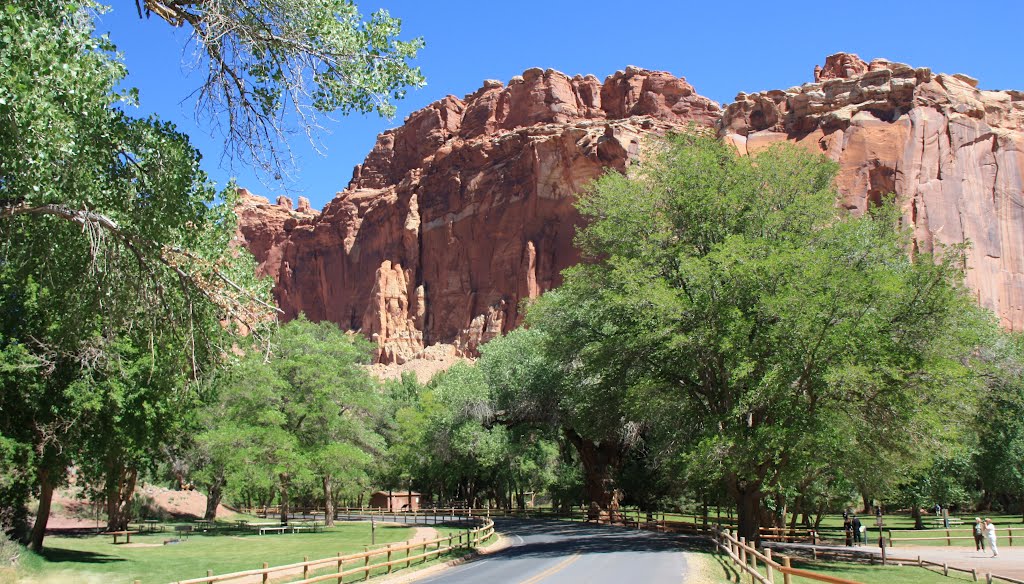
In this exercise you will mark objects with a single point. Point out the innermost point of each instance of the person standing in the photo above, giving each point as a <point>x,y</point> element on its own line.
<point>979,535</point>
<point>855,522</point>
<point>848,530</point>
<point>990,532</point>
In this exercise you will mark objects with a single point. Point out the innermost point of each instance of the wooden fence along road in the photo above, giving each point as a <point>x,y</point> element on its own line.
<point>383,560</point>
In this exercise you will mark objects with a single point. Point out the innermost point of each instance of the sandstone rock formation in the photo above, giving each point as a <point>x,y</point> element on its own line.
<point>952,153</point>
<point>466,210</point>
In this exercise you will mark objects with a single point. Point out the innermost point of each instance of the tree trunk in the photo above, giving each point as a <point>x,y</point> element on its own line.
<point>46,484</point>
<point>120,488</point>
<point>915,512</point>
<point>600,462</point>
<point>748,504</point>
<point>328,501</point>
<point>867,503</point>
<point>285,479</point>
<point>213,497</point>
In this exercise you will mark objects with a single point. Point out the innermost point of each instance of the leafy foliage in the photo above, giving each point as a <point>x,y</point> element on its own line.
<point>115,269</point>
<point>305,413</point>
<point>731,308</point>
<point>270,63</point>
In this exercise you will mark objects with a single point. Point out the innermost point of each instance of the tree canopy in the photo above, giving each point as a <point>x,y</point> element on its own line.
<point>727,305</point>
<point>275,67</point>
<point>120,290</point>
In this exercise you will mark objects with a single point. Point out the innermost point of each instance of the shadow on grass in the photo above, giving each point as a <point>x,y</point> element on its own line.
<point>77,556</point>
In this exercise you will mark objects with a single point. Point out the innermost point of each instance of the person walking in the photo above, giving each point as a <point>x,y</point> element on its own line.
<point>990,532</point>
<point>979,535</point>
<point>855,522</point>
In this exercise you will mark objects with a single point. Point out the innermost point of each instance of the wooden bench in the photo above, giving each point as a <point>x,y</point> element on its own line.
<point>127,535</point>
<point>185,530</point>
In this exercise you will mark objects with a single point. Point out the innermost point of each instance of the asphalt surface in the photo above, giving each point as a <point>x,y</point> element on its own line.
<point>557,551</point>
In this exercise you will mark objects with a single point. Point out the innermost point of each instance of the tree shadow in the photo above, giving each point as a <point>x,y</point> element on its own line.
<point>77,556</point>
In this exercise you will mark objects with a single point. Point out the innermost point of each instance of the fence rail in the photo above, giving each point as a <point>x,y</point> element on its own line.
<point>948,537</point>
<point>747,556</point>
<point>363,562</point>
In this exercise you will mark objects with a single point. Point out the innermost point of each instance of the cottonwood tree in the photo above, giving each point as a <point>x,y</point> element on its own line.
<point>108,227</point>
<point>731,299</point>
<point>305,412</point>
<point>274,67</point>
<point>109,235</point>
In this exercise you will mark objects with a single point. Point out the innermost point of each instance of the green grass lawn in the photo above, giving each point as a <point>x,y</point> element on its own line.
<point>720,570</point>
<point>94,559</point>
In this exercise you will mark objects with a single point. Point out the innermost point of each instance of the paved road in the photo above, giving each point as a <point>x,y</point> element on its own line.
<point>556,551</point>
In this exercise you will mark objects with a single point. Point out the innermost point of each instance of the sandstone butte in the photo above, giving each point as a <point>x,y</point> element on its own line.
<point>466,210</point>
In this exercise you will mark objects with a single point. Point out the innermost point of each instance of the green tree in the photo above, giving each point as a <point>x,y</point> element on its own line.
<point>114,260</point>
<point>729,302</point>
<point>109,230</point>
<point>306,412</point>
<point>272,64</point>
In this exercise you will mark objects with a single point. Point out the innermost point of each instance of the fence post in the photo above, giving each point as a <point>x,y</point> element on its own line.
<point>266,575</point>
<point>1009,530</point>
<point>424,553</point>
<point>786,578</point>
<point>743,550</point>
<point>948,541</point>
<point>988,578</point>
<point>407,546</point>
<point>945,569</point>
<point>768,565</point>
<point>305,569</point>
<point>341,567</point>
<point>208,574</point>
<point>366,563</point>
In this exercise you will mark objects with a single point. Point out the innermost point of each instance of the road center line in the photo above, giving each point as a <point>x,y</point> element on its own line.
<point>552,570</point>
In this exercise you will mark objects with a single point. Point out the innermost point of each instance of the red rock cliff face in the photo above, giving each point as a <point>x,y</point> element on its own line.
<point>466,210</point>
<point>953,154</point>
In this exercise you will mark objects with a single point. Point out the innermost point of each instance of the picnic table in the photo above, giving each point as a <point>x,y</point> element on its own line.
<point>153,524</point>
<point>126,533</point>
<point>263,527</point>
<point>311,526</point>
<point>204,524</point>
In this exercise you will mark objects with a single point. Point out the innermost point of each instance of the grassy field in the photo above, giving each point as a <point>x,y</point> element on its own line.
<point>94,559</point>
<point>713,569</point>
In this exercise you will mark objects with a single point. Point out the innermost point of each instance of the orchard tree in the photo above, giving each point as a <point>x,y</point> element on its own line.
<point>730,299</point>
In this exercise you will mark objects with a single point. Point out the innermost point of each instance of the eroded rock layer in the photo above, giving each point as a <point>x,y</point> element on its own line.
<point>464,211</point>
<point>953,154</point>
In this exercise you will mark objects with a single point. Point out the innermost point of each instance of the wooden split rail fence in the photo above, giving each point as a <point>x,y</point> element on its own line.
<point>382,560</point>
<point>948,537</point>
<point>748,556</point>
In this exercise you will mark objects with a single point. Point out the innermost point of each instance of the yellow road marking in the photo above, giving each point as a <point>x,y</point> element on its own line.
<point>552,570</point>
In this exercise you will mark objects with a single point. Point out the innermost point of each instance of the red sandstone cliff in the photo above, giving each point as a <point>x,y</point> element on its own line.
<point>464,211</point>
<point>952,153</point>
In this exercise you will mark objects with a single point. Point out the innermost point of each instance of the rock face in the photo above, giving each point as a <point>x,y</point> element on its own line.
<point>466,210</point>
<point>953,154</point>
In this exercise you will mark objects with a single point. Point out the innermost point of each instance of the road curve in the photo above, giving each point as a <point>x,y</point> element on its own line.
<point>557,551</point>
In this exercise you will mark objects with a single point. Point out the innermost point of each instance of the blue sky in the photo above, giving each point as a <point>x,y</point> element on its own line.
<point>721,48</point>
